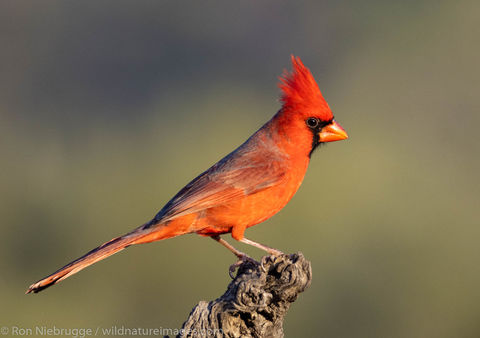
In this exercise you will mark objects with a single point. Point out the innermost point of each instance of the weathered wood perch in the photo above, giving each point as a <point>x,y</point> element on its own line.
<point>256,301</point>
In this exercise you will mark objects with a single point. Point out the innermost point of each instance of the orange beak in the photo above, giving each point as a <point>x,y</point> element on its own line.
<point>332,132</point>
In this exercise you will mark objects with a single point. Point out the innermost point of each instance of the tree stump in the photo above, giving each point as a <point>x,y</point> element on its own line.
<point>256,301</point>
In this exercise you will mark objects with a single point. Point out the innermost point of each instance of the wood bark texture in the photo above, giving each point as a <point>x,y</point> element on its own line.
<point>256,301</point>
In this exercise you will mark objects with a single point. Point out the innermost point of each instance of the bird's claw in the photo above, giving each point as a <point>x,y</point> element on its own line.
<point>241,260</point>
<point>262,262</point>
<point>265,259</point>
<point>244,258</point>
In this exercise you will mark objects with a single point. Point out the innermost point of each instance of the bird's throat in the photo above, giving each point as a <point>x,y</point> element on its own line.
<point>315,143</point>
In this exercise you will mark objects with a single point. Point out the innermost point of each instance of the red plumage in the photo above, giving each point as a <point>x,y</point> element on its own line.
<point>246,187</point>
<point>300,92</point>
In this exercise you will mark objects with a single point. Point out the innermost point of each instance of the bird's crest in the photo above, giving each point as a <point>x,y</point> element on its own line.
<point>300,92</point>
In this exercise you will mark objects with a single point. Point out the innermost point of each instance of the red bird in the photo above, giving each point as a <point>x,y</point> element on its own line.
<point>246,187</point>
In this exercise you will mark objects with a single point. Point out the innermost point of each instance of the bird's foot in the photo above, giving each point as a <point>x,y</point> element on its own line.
<point>242,258</point>
<point>274,252</point>
<point>271,251</point>
<point>266,259</point>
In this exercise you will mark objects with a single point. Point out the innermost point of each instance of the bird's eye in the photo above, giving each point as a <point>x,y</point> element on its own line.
<point>312,122</point>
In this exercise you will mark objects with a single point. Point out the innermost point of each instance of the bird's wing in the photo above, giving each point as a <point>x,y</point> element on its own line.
<point>232,178</point>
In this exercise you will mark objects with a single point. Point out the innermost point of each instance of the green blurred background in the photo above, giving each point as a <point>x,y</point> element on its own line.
<point>108,108</point>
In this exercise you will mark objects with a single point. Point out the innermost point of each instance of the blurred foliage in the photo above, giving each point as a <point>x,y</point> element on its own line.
<point>108,108</point>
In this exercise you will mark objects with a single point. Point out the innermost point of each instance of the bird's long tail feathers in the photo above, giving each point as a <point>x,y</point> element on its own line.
<point>105,250</point>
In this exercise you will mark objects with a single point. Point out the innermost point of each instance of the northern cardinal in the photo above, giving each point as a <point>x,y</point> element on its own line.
<point>246,187</point>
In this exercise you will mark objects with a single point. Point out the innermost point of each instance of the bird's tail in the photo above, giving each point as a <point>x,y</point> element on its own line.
<point>105,250</point>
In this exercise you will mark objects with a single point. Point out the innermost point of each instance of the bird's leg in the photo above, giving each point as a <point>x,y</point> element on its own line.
<point>242,257</point>
<point>268,249</point>
<point>223,242</point>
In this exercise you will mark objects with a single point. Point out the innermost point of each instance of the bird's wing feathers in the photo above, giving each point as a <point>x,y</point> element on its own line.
<point>229,179</point>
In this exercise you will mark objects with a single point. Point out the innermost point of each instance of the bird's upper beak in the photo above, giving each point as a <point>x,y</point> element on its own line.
<point>332,132</point>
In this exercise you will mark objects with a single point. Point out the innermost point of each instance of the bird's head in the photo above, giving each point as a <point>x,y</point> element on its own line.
<point>304,109</point>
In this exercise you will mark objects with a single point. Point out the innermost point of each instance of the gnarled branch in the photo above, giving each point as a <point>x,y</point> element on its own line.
<point>256,301</point>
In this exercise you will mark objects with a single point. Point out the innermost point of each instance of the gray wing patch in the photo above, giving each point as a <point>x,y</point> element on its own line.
<point>233,177</point>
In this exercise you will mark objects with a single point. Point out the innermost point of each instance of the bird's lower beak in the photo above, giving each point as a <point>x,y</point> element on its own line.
<point>332,132</point>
